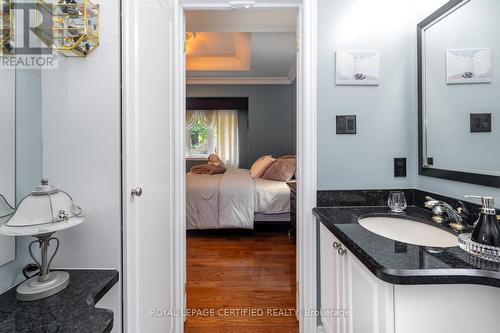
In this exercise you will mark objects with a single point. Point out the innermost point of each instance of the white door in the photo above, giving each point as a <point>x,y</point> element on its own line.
<point>151,290</point>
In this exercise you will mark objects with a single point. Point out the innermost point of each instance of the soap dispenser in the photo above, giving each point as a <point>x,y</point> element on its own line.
<point>487,227</point>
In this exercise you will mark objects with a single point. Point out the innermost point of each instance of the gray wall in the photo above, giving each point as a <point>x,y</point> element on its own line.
<point>294,117</point>
<point>28,162</point>
<point>269,116</point>
<point>81,111</point>
<point>385,113</point>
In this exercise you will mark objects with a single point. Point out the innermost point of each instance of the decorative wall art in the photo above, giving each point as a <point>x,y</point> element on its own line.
<point>357,67</point>
<point>468,66</point>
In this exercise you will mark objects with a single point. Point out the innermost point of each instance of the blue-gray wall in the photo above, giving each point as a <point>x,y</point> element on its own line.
<point>269,116</point>
<point>386,114</point>
<point>28,162</point>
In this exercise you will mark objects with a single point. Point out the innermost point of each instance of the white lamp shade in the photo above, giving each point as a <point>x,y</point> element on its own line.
<point>43,213</point>
<point>6,210</point>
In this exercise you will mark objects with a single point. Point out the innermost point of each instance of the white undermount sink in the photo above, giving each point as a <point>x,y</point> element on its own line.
<point>408,231</point>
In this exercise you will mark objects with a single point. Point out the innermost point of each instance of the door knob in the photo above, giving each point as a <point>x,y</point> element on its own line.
<point>137,191</point>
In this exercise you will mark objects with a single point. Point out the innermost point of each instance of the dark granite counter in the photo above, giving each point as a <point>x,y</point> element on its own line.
<point>401,263</point>
<point>71,310</point>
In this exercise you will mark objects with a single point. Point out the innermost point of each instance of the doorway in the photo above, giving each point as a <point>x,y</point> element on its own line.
<point>240,164</point>
<point>154,147</point>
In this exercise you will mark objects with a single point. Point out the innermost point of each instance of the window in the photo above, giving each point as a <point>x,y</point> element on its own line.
<point>202,136</point>
<point>213,131</point>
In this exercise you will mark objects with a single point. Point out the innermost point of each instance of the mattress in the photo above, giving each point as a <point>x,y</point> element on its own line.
<point>271,197</point>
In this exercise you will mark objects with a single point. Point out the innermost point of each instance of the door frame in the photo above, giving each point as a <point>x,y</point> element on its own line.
<point>306,150</point>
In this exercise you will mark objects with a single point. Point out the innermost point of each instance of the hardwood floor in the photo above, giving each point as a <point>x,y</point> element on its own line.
<point>244,282</point>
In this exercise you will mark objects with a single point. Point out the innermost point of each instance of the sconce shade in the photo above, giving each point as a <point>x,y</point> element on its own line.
<point>46,210</point>
<point>5,210</point>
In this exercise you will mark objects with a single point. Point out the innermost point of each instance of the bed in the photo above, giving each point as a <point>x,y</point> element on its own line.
<point>234,200</point>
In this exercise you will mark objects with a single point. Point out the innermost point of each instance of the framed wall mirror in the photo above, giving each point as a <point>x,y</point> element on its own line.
<point>459,92</point>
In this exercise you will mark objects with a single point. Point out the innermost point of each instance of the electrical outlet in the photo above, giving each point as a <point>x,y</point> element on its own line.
<point>400,167</point>
<point>346,124</point>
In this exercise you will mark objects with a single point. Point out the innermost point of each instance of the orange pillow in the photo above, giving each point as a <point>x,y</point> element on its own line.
<point>282,170</point>
<point>260,166</point>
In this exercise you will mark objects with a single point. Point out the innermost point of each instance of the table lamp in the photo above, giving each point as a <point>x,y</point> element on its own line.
<point>42,213</point>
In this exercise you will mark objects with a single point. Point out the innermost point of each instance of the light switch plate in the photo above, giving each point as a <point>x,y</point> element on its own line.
<point>346,124</point>
<point>480,122</point>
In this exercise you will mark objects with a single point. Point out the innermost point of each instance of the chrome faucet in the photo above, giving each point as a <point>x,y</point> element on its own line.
<point>439,207</point>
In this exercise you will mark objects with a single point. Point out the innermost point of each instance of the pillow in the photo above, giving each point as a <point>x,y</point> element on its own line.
<point>286,157</point>
<point>283,170</point>
<point>261,165</point>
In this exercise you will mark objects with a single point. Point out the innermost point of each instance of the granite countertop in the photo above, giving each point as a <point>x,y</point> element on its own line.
<point>71,310</point>
<point>401,263</point>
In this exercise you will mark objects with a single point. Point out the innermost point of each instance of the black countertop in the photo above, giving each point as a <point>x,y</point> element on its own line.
<point>401,263</point>
<point>71,310</point>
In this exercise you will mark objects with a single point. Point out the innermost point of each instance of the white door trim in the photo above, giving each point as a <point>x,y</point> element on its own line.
<point>306,150</point>
<point>306,165</point>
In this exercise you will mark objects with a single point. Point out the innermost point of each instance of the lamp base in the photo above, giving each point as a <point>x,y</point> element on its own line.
<point>39,287</point>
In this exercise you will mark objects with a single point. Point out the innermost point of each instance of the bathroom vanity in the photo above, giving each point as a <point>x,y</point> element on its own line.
<point>384,285</point>
<point>71,310</point>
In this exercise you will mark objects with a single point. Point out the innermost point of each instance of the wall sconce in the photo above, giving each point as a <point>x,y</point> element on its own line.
<point>42,213</point>
<point>6,26</point>
<point>70,27</point>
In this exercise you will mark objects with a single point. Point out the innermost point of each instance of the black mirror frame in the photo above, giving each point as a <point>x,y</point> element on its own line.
<point>423,170</point>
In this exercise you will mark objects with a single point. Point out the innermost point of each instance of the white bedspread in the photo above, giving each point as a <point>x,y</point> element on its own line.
<point>271,196</point>
<point>220,201</point>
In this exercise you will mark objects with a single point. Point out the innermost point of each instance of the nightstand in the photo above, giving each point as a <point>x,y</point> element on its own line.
<point>293,209</point>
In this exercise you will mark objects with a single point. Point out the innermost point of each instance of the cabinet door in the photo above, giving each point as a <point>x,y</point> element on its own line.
<point>369,299</point>
<point>330,280</point>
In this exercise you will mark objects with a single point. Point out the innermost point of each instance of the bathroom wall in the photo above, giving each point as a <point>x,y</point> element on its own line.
<point>385,113</point>
<point>269,115</point>
<point>28,162</point>
<point>81,151</point>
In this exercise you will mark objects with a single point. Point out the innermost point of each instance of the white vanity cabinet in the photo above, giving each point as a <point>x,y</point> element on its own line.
<point>375,306</point>
<point>347,285</point>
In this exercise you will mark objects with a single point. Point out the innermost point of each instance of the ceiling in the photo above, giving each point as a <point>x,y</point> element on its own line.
<point>241,47</point>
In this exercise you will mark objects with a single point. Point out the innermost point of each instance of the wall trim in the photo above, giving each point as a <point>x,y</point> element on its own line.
<point>239,80</point>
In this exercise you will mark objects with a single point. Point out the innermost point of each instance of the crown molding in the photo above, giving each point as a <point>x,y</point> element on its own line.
<point>240,80</point>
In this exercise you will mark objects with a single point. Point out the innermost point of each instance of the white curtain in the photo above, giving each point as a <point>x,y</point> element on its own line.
<point>207,117</point>
<point>227,137</point>
<point>225,123</point>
